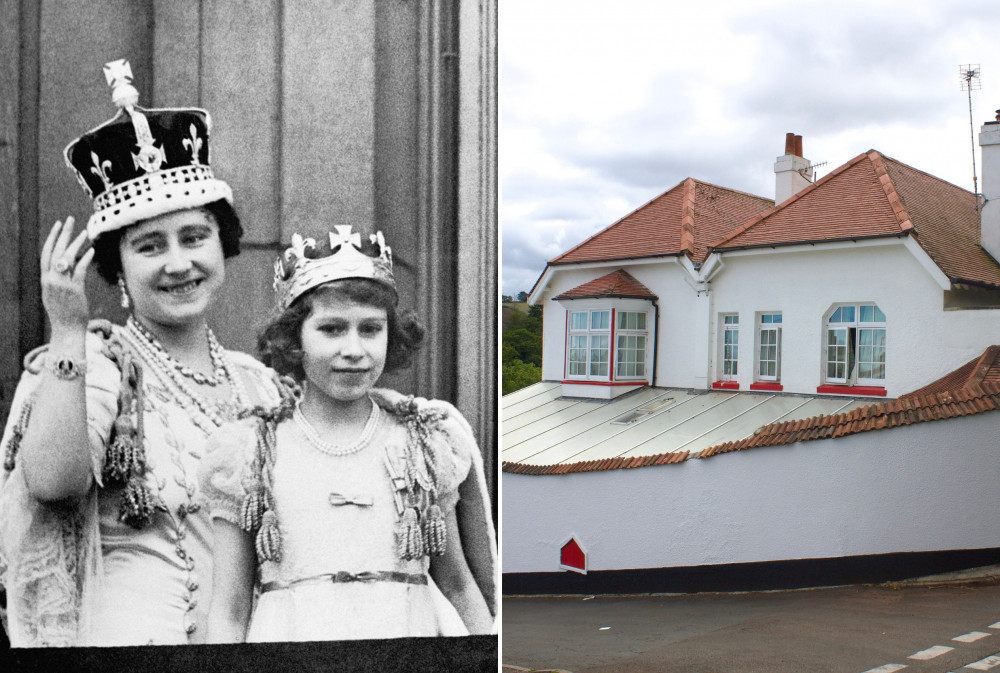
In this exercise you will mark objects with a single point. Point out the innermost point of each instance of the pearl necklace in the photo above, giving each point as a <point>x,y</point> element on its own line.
<point>371,425</point>
<point>187,398</point>
<point>214,352</point>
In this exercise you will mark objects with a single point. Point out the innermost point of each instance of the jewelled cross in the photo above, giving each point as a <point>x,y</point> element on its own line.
<point>344,236</point>
<point>118,72</point>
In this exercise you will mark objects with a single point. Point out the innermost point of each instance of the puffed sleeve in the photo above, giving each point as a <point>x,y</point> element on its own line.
<point>462,487</point>
<point>228,454</point>
<point>454,450</point>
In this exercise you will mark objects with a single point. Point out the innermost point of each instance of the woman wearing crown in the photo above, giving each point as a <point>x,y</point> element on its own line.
<point>362,512</point>
<point>104,535</point>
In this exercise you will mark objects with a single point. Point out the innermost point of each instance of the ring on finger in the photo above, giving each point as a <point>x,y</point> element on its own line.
<point>62,266</point>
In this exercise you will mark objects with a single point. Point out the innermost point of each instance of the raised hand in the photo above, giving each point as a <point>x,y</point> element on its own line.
<point>63,275</point>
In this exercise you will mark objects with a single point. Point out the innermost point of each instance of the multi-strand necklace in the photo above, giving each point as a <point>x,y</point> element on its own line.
<point>371,425</point>
<point>169,370</point>
<point>214,352</point>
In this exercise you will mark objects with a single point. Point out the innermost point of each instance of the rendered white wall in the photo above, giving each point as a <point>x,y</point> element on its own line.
<point>925,487</point>
<point>923,342</point>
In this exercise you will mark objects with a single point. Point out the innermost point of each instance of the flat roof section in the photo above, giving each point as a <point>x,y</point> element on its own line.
<point>540,427</point>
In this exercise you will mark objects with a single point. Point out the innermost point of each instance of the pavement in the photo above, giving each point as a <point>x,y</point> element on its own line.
<point>941,623</point>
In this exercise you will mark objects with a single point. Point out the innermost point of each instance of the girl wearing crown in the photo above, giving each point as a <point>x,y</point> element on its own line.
<point>361,511</point>
<point>104,535</point>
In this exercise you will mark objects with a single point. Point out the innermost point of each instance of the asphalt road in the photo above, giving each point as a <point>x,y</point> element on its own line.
<point>839,630</point>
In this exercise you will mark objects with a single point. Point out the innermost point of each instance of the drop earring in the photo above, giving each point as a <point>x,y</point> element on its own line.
<point>121,286</point>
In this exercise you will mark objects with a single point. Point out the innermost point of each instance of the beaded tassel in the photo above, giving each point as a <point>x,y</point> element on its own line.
<point>268,541</point>
<point>420,531</point>
<point>409,538</point>
<point>137,503</point>
<point>435,532</point>
<point>125,457</point>
<point>253,504</point>
<point>121,458</point>
<point>16,435</point>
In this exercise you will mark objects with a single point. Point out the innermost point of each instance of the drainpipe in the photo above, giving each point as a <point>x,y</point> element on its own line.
<point>656,341</point>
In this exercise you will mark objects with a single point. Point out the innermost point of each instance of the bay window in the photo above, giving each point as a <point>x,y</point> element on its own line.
<point>608,343</point>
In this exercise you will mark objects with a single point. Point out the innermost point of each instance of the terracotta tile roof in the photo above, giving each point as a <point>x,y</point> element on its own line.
<point>976,390</point>
<point>856,200</point>
<point>682,220</point>
<point>984,369</point>
<point>946,222</point>
<point>615,284</point>
<point>875,196</point>
<point>966,401</point>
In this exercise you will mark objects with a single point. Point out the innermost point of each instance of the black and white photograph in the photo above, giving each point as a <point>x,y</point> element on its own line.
<point>249,363</point>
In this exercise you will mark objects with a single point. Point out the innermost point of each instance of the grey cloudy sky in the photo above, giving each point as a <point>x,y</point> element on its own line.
<point>604,106</point>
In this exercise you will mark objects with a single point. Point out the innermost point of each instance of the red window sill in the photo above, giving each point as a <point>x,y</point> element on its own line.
<point>767,385</point>
<point>726,385</point>
<point>851,390</point>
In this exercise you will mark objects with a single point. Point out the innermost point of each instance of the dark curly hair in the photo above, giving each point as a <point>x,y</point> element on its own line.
<point>107,246</point>
<point>280,344</point>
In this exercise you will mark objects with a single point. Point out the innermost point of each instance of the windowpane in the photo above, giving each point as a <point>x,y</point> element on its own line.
<point>867,313</point>
<point>879,316</point>
<point>640,322</point>
<point>848,313</point>
<point>837,315</point>
<point>600,319</point>
<point>767,319</point>
<point>578,321</point>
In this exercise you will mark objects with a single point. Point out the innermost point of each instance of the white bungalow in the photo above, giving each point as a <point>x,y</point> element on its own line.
<point>709,321</point>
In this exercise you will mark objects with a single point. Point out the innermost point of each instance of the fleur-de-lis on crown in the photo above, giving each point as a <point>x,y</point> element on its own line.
<point>101,169</point>
<point>384,250</point>
<point>299,247</point>
<point>343,237</point>
<point>193,144</point>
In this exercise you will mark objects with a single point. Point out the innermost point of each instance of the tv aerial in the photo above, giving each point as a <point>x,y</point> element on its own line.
<point>970,82</point>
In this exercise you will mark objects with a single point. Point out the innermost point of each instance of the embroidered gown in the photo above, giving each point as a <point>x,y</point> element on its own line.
<point>83,577</point>
<point>337,514</point>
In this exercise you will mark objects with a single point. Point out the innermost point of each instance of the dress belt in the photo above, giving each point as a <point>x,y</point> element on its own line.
<point>343,576</point>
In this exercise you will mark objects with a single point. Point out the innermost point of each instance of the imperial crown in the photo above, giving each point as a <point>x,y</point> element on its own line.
<point>302,267</point>
<point>143,162</point>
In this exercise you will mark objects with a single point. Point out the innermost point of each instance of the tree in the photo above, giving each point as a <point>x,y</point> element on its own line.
<point>522,296</point>
<point>517,375</point>
<point>521,350</point>
<point>506,299</point>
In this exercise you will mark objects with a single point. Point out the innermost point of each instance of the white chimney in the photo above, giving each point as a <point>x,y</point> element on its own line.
<point>792,172</point>
<point>989,228</point>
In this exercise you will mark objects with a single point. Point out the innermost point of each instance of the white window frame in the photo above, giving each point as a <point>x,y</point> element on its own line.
<point>595,330</point>
<point>769,329</point>
<point>846,324</point>
<point>613,307</point>
<point>632,328</point>
<point>729,346</point>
